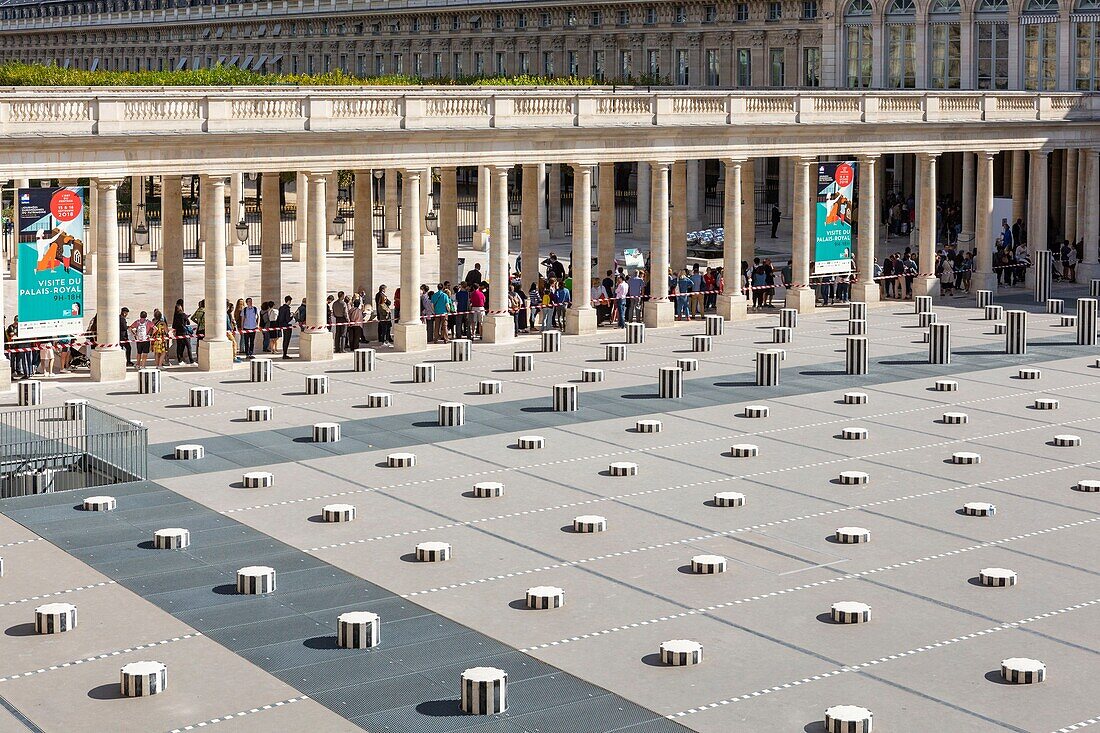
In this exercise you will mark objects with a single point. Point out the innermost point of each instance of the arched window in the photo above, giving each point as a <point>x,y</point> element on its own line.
<point>1041,6</point>
<point>901,7</point>
<point>858,9</point>
<point>858,43</point>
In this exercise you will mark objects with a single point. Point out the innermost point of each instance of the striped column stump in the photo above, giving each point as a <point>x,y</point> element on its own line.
<point>1094,288</point>
<point>258,413</point>
<point>767,368</point>
<point>855,354</point>
<point>460,350</point>
<point>979,509</point>
<point>543,597</point>
<point>756,411</point>
<point>729,499</point>
<point>1046,403</point>
<point>848,719</point>
<point>966,457</point>
<point>852,535</point>
<point>30,393</point>
<point>1086,321</point>
<point>523,362</point>
<point>452,414</point>
<point>1088,486</point>
<point>1,567</point>
<point>190,452</point>
<point>647,426</point>
<point>939,343</point>
<point>708,564</point>
<point>200,397</point>
<point>379,399</point>
<point>1068,322</point>
<point>687,364</point>
<point>744,450</point>
<point>591,375</point>
<point>788,317</point>
<point>1044,269</point>
<point>488,489</point>
<point>433,552</point>
<point>1000,329</point>
<point>484,691</point>
<point>258,480</point>
<point>489,386</point>
<point>1029,374</point>
<point>358,630</point>
<point>172,538</point>
<point>955,418</point>
<point>922,304</point>
<point>401,460</point>
<point>635,333</point>
<point>255,580</point>
<point>363,359</point>
<point>1067,441</point>
<point>530,442</point>
<point>76,409</point>
<point>1023,671</point>
<point>589,524</point>
<point>983,298</point>
<point>142,679</point>
<point>926,319</point>
<point>423,373</point>
<point>566,398</point>
<point>614,352</point>
<point>551,341</point>
<point>670,383</point>
<point>1056,305</point>
<point>701,343</point>
<point>54,618</point>
<point>715,324</point>
<point>326,432</point>
<point>1016,335</point>
<point>31,482</point>
<point>994,313</point>
<point>781,334</point>
<point>854,433</point>
<point>852,478</point>
<point>857,327</point>
<point>338,513</point>
<point>623,468</point>
<point>681,652</point>
<point>857,311</point>
<point>855,398</point>
<point>100,504</point>
<point>946,385</point>
<point>261,370</point>
<point>148,381</point>
<point>850,612</point>
<point>997,577</point>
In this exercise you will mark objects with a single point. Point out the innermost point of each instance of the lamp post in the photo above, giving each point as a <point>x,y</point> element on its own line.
<point>242,231</point>
<point>141,235</point>
<point>339,226</point>
<point>431,222</point>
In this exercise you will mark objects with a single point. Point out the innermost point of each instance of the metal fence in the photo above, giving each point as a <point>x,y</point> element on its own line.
<point>47,449</point>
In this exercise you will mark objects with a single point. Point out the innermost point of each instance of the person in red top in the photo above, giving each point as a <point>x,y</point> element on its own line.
<point>477,309</point>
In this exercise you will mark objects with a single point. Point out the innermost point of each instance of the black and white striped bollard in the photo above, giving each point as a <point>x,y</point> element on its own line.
<point>1016,335</point>
<point>1023,671</point>
<point>460,350</point>
<point>997,577</point>
<point>687,364</point>
<point>363,360</point>
<point>76,409</point>
<point>452,414</point>
<point>994,313</point>
<point>855,398</point>
<point>1067,441</point>
<point>591,375</point>
<point>855,355</point>
<point>1044,269</point>
<point>200,396</point>
<point>358,630</point>
<point>530,442</point>
<point>939,343</point>
<point>854,433</point>
<point>258,480</point>
<point>714,324</point>
<point>1046,403</point>
<point>488,489</point>
<point>172,538</point>
<point>484,691</point>
<point>966,458</point>
<point>853,478</point>
<point>1094,288</point>
<point>1086,321</point>
<point>148,381</point>
<point>647,426</point>
<point>551,341</point>
<point>744,450</point>
<point>729,499</point>
<point>635,333</point>
<point>543,597</point>
<point>926,319</point>
<point>30,393</point>
<point>190,452</point>
<point>756,411</point>
<point>979,509</point>
<point>523,362</point>
<point>983,298</point>
<point>423,373</point>
<point>54,618</point>
<point>100,504</point>
<point>334,513</point>
<point>857,327</point>
<point>565,398</point>
<point>490,386</point>
<point>1029,373</point>
<point>379,399</point>
<point>615,352</point>
<point>782,334</point>
<point>1068,322</point>
<point>1056,306</point>
<point>788,317</point>
<point>922,304</point>
<point>850,612</point>
<point>670,381</point>
<point>326,432</point>
<point>848,719</point>
<point>700,343</point>
<point>955,418</point>
<point>258,413</point>
<point>852,535</point>
<point>1088,486</point>
<point>433,552</point>
<point>261,370</point>
<point>255,580</point>
<point>401,460</point>
<point>708,564</point>
<point>681,652</point>
<point>857,311</point>
<point>946,385</point>
<point>767,368</point>
<point>142,679</point>
<point>623,468</point>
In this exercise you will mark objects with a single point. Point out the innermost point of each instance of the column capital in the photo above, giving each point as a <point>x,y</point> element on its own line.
<point>987,154</point>
<point>585,164</point>
<point>926,155</point>
<point>735,160</point>
<point>805,160</point>
<point>418,172</point>
<point>212,177</point>
<point>108,184</point>
<point>315,176</point>
<point>499,168</point>
<point>868,157</point>
<point>665,163</point>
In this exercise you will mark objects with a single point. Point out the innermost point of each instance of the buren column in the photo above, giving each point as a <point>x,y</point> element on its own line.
<point>926,282</point>
<point>499,325</point>
<point>657,311</point>
<point>315,341</point>
<point>108,360</point>
<point>410,334</point>
<point>801,295</point>
<point>215,349</point>
<point>580,318</point>
<point>732,303</point>
<point>865,288</point>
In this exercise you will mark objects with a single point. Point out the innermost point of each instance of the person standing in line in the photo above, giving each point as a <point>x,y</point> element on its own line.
<point>462,311</point>
<point>777,215</point>
<point>182,330</point>
<point>635,290</point>
<point>355,323</point>
<point>441,305</point>
<point>622,290</point>
<point>696,299</point>
<point>285,321</point>
<point>199,317</point>
<point>250,321</point>
<point>124,334</point>
<point>140,330</point>
<point>383,309</point>
<point>477,310</point>
<point>159,339</point>
<point>340,317</point>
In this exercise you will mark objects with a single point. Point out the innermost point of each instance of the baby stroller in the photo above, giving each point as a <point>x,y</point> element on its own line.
<point>77,359</point>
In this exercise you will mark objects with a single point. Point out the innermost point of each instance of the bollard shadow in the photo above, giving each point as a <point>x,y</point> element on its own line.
<point>994,676</point>
<point>430,424</point>
<point>296,394</point>
<point>238,381</point>
<point>321,642</point>
<point>111,691</point>
<point>470,495</point>
<point>316,519</point>
<point>440,708</point>
<point>735,384</point>
<point>26,629</point>
<point>686,570</point>
<point>976,581</point>
<point>827,618</point>
<point>644,396</point>
<point>653,660</point>
<point>304,439</point>
<point>226,589</point>
<point>147,545</point>
<point>520,604</point>
<point>537,409</point>
<point>818,726</point>
<point>904,362</point>
<point>823,372</point>
<point>409,557</point>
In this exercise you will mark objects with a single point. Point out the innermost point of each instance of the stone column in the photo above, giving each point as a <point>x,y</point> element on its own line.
<point>658,311</point>
<point>693,220</point>
<point>1019,185</point>
<point>332,207</point>
<point>966,234</point>
<point>606,233</point>
<point>1038,213</point>
<point>392,237</point>
<point>448,224</point>
<point>499,324</point>
<point>642,196</point>
<point>315,341</point>
<point>1089,268</point>
<point>679,216</point>
<point>271,240</point>
<point>215,349</point>
<point>581,317</point>
<point>108,360</point>
<point>529,231</point>
<point>984,278</point>
<point>301,217</point>
<point>732,303</point>
<point>92,234</point>
<point>784,185</point>
<point>1082,200</point>
<point>1070,229</point>
<point>362,266</point>
<point>865,288</point>
<point>236,197</point>
<point>801,297</point>
<point>926,282</point>
<point>236,256</point>
<point>170,256</point>
<point>544,218</point>
<point>410,333</point>
<point>748,210</point>
<point>484,208</point>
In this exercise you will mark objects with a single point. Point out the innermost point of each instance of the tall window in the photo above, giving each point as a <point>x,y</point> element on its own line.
<point>653,64</point>
<point>524,62</point>
<point>683,76</point>
<point>775,67</point>
<point>1087,56</point>
<point>626,65</point>
<point>599,67</point>
<point>456,65</point>
<point>944,45</point>
<point>901,46</point>
<point>859,44</point>
<point>479,63</point>
<point>418,64</point>
<point>744,67</point>
<point>547,63</point>
<point>713,65</point>
<point>501,64</point>
<point>571,64</point>
<point>991,31</point>
<point>437,65</point>
<point>1040,56</point>
<point>811,66</point>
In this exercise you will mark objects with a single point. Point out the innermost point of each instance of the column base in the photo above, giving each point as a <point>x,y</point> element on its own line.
<point>557,230</point>
<point>89,264</point>
<point>658,314</point>
<point>140,256</point>
<point>410,337</point>
<point>926,285</point>
<point>498,328</point>
<point>334,244</point>
<point>160,265</point>
<point>315,346</point>
<point>984,281</point>
<point>236,255</point>
<point>803,299</point>
<point>108,365</point>
<point>481,241</point>
<point>429,244</point>
<point>580,321</point>
<point>298,250</point>
<point>1087,271</point>
<point>544,236</point>
<point>200,247</point>
<point>392,238</point>
<point>5,375</point>
<point>215,356</point>
<point>733,307</point>
<point>865,291</point>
